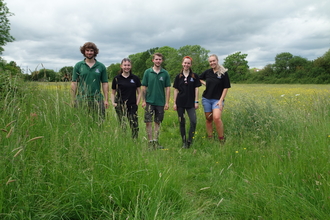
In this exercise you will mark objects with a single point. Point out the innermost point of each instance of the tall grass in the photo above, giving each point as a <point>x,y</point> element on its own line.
<point>62,163</point>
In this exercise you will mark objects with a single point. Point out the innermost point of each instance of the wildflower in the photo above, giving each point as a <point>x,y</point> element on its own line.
<point>283,95</point>
<point>236,152</point>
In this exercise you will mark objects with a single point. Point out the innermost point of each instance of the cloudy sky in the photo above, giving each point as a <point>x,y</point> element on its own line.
<point>50,32</point>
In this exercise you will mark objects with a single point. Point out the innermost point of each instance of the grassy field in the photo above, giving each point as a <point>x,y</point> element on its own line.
<point>58,162</point>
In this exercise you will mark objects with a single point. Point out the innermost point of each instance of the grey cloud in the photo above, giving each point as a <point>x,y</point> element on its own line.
<point>262,29</point>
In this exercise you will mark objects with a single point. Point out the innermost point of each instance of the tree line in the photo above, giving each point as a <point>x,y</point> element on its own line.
<point>286,68</point>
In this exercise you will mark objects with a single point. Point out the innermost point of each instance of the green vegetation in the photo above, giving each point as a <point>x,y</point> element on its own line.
<point>61,163</point>
<point>5,36</point>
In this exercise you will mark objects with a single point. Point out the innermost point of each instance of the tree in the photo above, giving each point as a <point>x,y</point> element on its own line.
<point>65,73</point>
<point>113,70</point>
<point>5,36</point>
<point>199,56</point>
<point>282,64</point>
<point>44,75</point>
<point>237,66</point>
<point>171,60</point>
<point>140,61</point>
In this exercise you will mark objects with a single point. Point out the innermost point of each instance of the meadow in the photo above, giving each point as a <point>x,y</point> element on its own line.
<point>58,162</point>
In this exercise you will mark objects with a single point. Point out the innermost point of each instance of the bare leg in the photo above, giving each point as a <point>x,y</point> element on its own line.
<point>149,130</point>
<point>157,128</point>
<point>218,122</point>
<point>209,120</point>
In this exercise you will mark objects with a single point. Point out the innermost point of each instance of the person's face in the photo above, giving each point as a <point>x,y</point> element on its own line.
<point>157,61</point>
<point>213,62</point>
<point>89,53</point>
<point>186,64</point>
<point>126,66</point>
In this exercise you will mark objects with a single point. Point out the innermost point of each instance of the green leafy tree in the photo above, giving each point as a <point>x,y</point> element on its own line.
<point>323,62</point>
<point>5,36</point>
<point>282,64</point>
<point>140,61</point>
<point>171,59</point>
<point>113,70</point>
<point>237,66</point>
<point>198,54</point>
<point>321,68</point>
<point>65,73</point>
<point>44,75</point>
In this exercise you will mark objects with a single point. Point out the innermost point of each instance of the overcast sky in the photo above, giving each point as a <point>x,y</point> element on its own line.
<point>50,32</point>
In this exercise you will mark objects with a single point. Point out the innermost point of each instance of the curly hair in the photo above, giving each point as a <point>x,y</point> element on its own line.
<point>89,45</point>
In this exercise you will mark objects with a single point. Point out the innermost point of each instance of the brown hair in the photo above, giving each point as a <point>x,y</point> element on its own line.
<point>157,54</point>
<point>89,45</point>
<point>125,60</point>
<point>190,70</point>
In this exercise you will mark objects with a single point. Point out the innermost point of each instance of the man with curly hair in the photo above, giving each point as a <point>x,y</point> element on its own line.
<point>87,77</point>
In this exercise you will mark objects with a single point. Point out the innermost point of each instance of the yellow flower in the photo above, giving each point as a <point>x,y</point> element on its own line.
<point>237,151</point>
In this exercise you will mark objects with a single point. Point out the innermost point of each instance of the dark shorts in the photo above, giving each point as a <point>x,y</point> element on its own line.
<point>153,111</point>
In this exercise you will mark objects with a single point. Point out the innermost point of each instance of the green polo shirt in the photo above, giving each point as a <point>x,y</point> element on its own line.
<point>89,80</point>
<point>156,84</point>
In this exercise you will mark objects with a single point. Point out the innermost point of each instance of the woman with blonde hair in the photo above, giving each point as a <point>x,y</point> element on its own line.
<point>217,84</point>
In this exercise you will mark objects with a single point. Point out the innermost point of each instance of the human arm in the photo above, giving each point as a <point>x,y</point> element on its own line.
<point>143,95</point>
<point>73,91</point>
<point>167,97</point>
<point>196,97</point>
<point>222,98</point>
<point>105,88</point>
<point>175,95</point>
<point>112,97</point>
<point>139,94</point>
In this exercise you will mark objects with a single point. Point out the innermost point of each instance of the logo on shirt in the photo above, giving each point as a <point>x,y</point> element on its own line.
<point>132,81</point>
<point>191,79</point>
<point>97,71</point>
<point>161,79</point>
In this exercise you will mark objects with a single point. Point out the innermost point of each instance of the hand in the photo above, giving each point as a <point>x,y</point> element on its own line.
<point>174,107</point>
<point>106,104</point>
<point>166,106</point>
<point>196,105</point>
<point>219,103</point>
<point>143,104</point>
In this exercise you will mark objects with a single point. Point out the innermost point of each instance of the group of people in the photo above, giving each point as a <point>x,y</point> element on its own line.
<point>89,76</point>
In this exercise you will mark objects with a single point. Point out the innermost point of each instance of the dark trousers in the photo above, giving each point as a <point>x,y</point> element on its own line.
<point>193,121</point>
<point>130,112</point>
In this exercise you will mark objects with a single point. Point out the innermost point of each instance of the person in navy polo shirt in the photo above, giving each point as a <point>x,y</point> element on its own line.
<point>217,84</point>
<point>186,85</point>
<point>126,95</point>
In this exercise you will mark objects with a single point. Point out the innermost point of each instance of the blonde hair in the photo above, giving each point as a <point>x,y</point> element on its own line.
<point>220,70</point>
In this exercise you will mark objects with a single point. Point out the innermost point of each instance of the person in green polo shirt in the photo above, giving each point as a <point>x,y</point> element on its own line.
<point>155,98</point>
<point>87,77</point>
